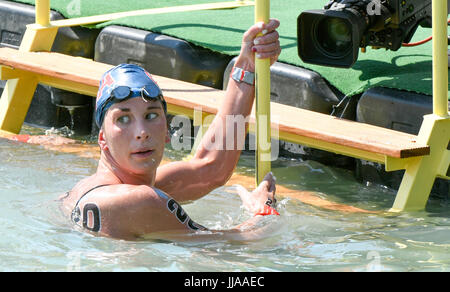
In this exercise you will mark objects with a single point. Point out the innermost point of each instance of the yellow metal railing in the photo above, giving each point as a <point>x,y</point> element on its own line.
<point>43,12</point>
<point>440,58</point>
<point>262,113</point>
<point>420,173</point>
<point>181,8</point>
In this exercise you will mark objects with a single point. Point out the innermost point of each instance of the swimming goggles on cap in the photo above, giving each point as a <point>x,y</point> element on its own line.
<point>122,93</point>
<point>147,92</point>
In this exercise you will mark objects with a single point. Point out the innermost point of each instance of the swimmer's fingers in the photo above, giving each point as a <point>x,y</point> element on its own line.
<point>267,45</point>
<point>242,192</point>
<point>245,196</point>
<point>267,192</point>
<point>260,28</point>
<point>267,189</point>
<point>263,195</point>
<point>260,40</point>
<point>270,183</point>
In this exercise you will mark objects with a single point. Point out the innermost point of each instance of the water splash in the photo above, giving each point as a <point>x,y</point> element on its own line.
<point>64,131</point>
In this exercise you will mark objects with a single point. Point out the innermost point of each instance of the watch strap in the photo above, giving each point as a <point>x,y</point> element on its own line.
<point>240,75</point>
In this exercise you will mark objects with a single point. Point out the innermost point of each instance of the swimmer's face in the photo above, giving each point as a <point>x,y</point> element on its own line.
<point>135,132</point>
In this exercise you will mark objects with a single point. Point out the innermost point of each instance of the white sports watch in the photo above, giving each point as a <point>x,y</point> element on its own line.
<point>240,75</point>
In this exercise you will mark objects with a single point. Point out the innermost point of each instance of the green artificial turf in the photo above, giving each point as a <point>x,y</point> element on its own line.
<point>221,30</point>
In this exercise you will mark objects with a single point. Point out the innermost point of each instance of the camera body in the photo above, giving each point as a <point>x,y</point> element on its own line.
<point>333,36</point>
<point>405,16</point>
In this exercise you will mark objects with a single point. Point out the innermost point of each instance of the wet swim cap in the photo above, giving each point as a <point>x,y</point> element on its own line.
<point>121,83</point>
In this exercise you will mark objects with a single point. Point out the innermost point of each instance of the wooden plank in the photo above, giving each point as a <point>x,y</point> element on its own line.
<point>75,69</point>
<point>290,121</point>
<point>78,70</point>
<point>348,133</point>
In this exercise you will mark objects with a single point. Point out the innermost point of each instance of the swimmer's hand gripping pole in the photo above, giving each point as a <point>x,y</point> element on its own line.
<point>262,85</point>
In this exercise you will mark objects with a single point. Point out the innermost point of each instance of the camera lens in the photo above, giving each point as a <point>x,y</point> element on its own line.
<point>333,36</point>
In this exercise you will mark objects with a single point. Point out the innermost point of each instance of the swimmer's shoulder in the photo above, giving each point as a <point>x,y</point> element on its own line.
<point>125,196</point>
<point>123,193</point>
<point>126,211</point>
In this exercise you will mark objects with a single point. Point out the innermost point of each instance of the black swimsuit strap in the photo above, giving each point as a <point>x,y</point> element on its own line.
<point>96,187</point>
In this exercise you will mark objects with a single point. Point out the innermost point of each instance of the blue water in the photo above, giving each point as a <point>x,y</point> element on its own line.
<point>36,237</point>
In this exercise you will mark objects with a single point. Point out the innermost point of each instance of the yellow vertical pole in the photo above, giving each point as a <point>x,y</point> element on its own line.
<point>440,59</point>
<point>43,12</point>
<point>435,131</point>
<point>262,75</point>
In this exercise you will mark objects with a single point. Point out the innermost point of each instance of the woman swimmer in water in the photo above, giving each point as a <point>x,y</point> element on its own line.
<point>131,196</point>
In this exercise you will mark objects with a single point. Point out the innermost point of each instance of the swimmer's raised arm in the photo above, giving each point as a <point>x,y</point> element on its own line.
<point>211,167</point>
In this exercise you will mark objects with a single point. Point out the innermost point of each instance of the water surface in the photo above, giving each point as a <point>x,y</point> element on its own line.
<point>36,237</point>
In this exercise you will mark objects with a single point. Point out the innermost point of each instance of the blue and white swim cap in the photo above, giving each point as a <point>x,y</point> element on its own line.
<point>123,82</point>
